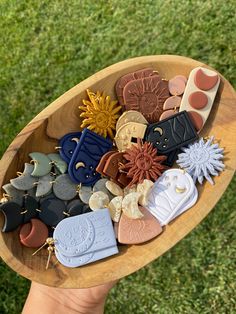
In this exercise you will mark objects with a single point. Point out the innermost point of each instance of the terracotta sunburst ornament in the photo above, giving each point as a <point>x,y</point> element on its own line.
<point>143,163</point>
<point>147,95</point>
<point>100,114</point>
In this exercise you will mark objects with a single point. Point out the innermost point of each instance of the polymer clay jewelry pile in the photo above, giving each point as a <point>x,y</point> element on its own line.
<point>114,182</point>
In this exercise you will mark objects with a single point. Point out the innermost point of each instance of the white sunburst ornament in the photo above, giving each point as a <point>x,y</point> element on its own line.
<point>202,159</point>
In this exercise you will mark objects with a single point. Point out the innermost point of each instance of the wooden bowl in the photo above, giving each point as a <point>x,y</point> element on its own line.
<point>62,116</point>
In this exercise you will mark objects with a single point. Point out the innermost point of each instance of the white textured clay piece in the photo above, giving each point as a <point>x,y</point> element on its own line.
<point>115,207</point>
<point>114,188</point>
<point>169,193</point>
<point>172,102</point>
<point>25,181</point>
<point>59,163</point>
<point>85,192</point>
<point>44,185</point>
<point>188,204</point>
<point>176,86</point>
<point>144,189</point>
<point>130,116</point>
<point>64,188</point>
<point>129,189</point>
<point>98,200</point>
<point>182,77</point>
<point>168,113</point>
<point>130,206</point>
<point>13,194</point>
<point>202,159</point>
<point>136,231</point>
<point>127,135</point>
<point>84,234</point>
<point>191,88</point>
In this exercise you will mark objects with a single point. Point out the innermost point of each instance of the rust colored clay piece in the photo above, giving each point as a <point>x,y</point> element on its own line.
<point>196,119</point>
<point>103,161</point>
<point>198,100</point>
<point>176,86</point>
<point>143,163</point>
<point>123,180</point>
<point>135,231</point>
<point>172,102</point>
<point>35,236</point>
<point>147,96</point>
<point>124,80</point>
<point>204,81</point>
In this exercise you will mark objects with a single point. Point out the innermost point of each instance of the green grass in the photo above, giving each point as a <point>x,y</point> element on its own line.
<point>46,47</point>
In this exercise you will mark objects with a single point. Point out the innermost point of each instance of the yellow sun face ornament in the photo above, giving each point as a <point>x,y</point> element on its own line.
<point>100,114</point>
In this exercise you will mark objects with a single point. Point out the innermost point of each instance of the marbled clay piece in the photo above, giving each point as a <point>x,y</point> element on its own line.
<point>147,95</point>
<point>120,84</point>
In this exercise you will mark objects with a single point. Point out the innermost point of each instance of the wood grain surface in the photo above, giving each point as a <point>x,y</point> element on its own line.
<point>62,116</point>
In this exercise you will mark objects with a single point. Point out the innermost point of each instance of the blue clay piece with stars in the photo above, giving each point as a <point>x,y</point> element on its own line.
<point>68,145</point>
<point>86,157</point>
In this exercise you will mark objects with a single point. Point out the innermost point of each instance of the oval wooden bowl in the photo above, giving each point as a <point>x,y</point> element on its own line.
<point>62,116</point>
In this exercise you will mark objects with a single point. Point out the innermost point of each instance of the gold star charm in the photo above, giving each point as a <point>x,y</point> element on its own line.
<point>100,114</point>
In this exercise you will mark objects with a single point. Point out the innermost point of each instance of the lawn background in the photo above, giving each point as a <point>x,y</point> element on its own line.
<point>46,47</point>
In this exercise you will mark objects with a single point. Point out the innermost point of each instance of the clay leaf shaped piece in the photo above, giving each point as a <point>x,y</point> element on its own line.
<point>143,163</point>
<point>136,231</point>
<point>13,194</point>
<point>68,144</point>
<point>125,79</point>
<point>169,194</point>
<point>100,114</point>
<point>171,133</point>
<point>146,95</point>
<point>25,181</point>
<point>64,188</point>
<point>90,149</point>
<point>202,160</point>
<point>58,162</point>
<point>85,239</point>
<point>33,234</point>
<point>42,164</point>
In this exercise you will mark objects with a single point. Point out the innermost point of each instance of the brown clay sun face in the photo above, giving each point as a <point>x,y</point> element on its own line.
<point>143,163</point>
<point>147,95</point>
<point>100,114</point>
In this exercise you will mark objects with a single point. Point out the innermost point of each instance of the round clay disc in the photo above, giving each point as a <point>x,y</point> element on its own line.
<point>182,77</point>
<point>176,86</point>
<point>198,100</point>
<point>172,102</point>
<point>166,114</point>
<point>52,211</point>
<point>85,193</point>
<point>196,119</point>
<point>75,207</point>
<point>33,234</point>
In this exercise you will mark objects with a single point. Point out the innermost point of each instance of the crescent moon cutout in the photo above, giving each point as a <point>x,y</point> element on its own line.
<point>158,129</point>
<point>180,190</point>
<point>75,139</point>
<point>204,81</point>
<point>79,164</point>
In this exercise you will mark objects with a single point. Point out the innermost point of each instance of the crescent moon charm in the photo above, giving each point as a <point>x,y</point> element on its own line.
<point>79,164</point>
<point>75,139</point>
<point>158,129</point>
<point>179,190</point>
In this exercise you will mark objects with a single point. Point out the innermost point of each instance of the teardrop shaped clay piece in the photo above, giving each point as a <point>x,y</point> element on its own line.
<point>135,231</point>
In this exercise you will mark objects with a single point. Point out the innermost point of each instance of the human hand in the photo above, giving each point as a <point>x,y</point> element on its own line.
<point>47,300</point>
